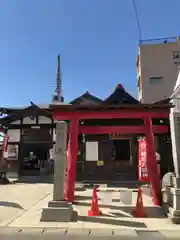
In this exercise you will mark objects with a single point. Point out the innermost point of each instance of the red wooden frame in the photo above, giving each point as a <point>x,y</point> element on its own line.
<point>74,128</point>
<point>120,129</point>
<point>109,114</point>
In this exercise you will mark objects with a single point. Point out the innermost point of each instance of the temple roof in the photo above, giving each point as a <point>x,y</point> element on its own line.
<point>120,96</point>
<point>87,98</point>
<point>32,111</point>
<point>13,109</point>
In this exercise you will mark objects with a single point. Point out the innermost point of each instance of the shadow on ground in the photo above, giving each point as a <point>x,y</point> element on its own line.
<point>104,220</point>
<point>5,181</point>
<point>35,179</point>
<point>129,185</point>
<point>43,179</point>
<point>82,198</point>
<point>126,211</point>
<point>11,204</point>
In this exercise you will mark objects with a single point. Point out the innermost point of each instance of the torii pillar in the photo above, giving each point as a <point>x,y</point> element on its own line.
<point>72,151</point>
<point>153,173</point>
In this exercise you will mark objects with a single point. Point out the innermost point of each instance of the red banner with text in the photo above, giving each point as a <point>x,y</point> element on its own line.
<point>142,164</point>
<point>5,142</point>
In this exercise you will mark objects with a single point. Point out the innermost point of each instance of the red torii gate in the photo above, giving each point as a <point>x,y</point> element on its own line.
<point>147,112</point>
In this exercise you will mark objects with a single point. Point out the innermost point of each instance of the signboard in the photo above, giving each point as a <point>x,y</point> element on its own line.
<point>5,142</point>
<point>5,154</point>
<point>142,165</point>
<point>36,135</point>
<point>12,152</point>
<point>115,136</point>
<point>92,151</point>
<point>100,163</point>
<point>1,137</point>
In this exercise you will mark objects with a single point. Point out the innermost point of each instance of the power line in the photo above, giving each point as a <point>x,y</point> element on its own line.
<point>137,20</point>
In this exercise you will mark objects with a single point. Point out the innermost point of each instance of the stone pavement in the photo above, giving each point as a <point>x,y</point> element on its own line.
<point>21,206</point>
<point>63,233</point>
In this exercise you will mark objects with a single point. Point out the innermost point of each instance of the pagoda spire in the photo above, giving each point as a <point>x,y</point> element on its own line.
<point>57,97</point>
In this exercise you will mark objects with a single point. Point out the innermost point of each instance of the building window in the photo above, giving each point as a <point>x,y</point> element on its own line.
<point>176,55</point>
<point>155,80</point>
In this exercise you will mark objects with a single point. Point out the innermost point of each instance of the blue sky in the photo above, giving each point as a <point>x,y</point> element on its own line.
<point>97,41</point>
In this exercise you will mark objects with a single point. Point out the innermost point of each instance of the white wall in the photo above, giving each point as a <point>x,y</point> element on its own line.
<point>157,61</point>
<point>44,120</point>
<point>175,126</point>
<point>14,135</point>
<point>28,120</point>
<point>16,122</point>
<point>176,96</point>
<point>177,85</point>
<point>176,103</point>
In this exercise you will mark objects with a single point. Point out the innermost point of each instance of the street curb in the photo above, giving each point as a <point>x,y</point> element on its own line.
<point>95,232</point>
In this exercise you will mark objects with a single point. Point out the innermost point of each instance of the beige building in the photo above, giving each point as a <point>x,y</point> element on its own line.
<point>157,66</point>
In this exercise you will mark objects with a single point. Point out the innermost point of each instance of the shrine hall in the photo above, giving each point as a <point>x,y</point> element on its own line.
<point>108,132</point>
<point>104,135</point>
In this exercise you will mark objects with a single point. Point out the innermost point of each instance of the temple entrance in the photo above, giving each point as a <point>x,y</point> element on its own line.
<point>122,149</point>
<point>35,152</point>
<point>121,159</point>
<point>35,158</point>
<point>110,158</point>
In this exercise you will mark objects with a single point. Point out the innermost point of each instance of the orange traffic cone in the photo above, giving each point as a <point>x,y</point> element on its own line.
<point>94,210</point>
<point>139,210</point>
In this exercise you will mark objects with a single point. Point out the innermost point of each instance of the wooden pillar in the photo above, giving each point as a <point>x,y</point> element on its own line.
<point>153,174</point>
<point>71,160</point>
<point>68,169</point>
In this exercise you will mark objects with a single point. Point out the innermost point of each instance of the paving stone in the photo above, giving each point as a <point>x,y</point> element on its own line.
<point>174,234</point>
<point>101,232</point>
<point>10,230</point>
<point>77,231</point>
<point>149,235</point>
<point>54,231</point>
<point>31,231</point>
<point>125,233</point>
